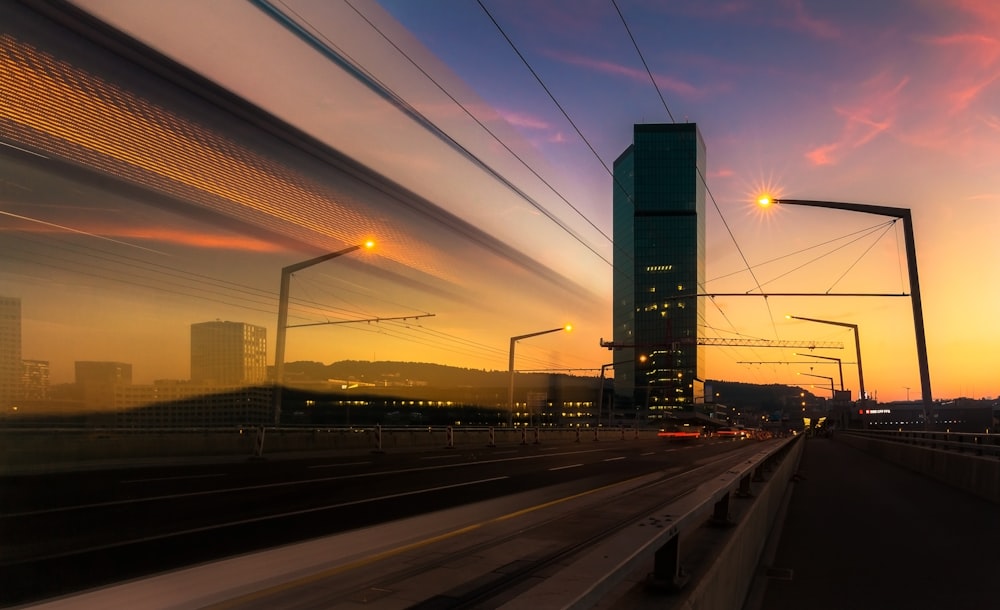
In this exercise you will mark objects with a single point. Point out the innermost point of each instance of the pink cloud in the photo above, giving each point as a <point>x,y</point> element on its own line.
<point>801,21</point>
<point>722,173</point>
<point>873,114</point>
<point>822,155</point>
<point>607,67</point>
<point>982,10</point>
<point>975,59</point>
<point>518,119</point>
<point>978,48</point>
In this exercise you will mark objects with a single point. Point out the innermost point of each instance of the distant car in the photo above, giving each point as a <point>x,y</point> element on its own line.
<point>680,432</point>
<point>730,433</point>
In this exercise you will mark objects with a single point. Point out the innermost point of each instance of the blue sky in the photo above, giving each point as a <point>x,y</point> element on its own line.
<point>892,104</point>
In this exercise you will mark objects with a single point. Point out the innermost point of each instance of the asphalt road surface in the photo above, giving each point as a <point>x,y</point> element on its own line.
<point>66,532</point>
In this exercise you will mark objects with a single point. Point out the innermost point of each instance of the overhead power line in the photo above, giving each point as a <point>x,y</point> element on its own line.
<point>326,48</point>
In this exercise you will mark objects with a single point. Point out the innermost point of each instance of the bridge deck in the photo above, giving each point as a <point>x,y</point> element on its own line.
<point>863,533</point>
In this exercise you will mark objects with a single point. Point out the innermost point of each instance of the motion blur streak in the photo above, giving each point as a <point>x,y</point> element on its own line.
<point>90,121</point>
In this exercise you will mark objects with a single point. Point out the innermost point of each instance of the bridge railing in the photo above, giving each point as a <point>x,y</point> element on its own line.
<point>657,539</point>
<point>984,444</point>
<point>26,448</point>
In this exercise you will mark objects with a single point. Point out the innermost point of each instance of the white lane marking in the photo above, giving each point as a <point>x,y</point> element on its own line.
<point>614,459</point>
<point>565,467</point>
<point>293,513</point>
<point>177,478</point>
<point>359,475</point>
<point>339,465</point>
<point>442,457</point>
<point>648,453</point>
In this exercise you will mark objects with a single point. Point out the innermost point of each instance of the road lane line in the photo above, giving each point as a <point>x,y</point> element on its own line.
<point>565,467</point>
<point>339,465</point>
<point>648,453</point>
<point>359,475</point>
<point>240,601</point>
<point>294,513</point>
<point>614,459</point>
<point>178,478</point>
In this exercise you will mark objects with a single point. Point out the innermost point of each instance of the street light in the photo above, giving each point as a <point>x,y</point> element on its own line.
<point>830,379</point>
<point>600,395</point>
<point>857,349</point>
<point>510,367</point>
<point>911,265</point>
<point>279,340</point>
<point>840,366</point>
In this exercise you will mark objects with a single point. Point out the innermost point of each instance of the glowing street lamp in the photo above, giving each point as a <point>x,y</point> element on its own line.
<point>840,366</point>
<point>510,384</point>
<point>279,341</point>
<point>857,349</point>
<point>911,262</point>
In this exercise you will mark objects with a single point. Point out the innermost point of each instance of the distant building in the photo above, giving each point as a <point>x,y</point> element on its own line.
<point>179,404</point>
<point>96,382</point>
<point>659,268</point>
<point>10,352</point>
<point>35,380</point>
<point>228,353</point>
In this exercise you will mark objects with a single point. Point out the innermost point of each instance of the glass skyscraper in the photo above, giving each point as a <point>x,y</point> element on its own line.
<point>659,235</point>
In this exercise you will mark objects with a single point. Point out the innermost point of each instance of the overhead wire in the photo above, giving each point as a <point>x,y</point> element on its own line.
<point>659,93</point>
<point>313,36</point>
<point>555,101</point>
<point>862,255</point>
<point>478,122</point>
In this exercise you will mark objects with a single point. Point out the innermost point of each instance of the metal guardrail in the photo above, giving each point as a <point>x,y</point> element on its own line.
<point>589,579</point>
<point>959,442</point>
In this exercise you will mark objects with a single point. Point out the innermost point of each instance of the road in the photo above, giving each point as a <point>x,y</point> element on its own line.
<point>67,532</point>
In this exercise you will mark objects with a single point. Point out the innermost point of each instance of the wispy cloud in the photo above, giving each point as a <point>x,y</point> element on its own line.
<point>864,120</point>
<point>667,83</point>
<point>526,121</point>
<point>798,19</point>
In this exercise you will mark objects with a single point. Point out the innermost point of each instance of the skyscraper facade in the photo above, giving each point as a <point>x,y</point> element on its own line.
<point>10,352</point>
<point>228,353</point>
<point>659,235</point>
<point>35,379</point>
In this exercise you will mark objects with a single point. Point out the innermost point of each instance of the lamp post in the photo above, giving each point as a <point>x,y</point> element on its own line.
<point>840,366</point>
<point>857,350</point>
<point>600,395</point>
<point>830,379</point>
<point>279,340</point>
<point>911,265</point>
<point>510,367</point>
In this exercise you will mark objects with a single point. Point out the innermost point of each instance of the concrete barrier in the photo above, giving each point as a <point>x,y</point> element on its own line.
<point>979,475</point>
<point>27,450</point>
<point>720,582</point>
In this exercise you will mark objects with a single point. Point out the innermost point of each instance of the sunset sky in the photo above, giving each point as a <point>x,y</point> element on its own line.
<point>894,103</point>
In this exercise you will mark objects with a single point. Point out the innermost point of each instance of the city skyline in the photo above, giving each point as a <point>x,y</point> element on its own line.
<point>893,106</point>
